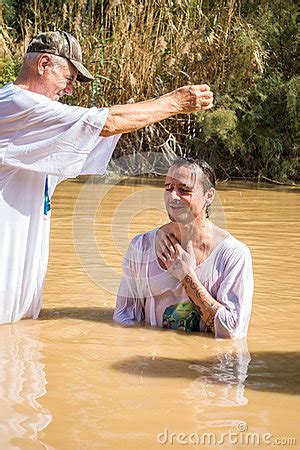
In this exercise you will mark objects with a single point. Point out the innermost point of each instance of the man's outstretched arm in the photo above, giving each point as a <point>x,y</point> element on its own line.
<point>131,117</point>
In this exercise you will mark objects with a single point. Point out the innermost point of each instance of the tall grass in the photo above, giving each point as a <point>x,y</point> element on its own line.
<point>138,50</point>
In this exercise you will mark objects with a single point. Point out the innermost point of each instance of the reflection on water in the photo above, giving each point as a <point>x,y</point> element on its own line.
<point>22,383</point>
<point>218,381</point>
<point>76,380</point>
<point>221,381</point>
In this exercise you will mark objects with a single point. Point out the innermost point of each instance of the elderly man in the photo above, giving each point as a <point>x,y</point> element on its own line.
<point>188,274</point>
<point>43,142</point>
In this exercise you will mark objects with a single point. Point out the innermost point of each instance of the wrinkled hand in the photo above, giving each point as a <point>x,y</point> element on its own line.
<point>195,98</point>
<point>178,262</point>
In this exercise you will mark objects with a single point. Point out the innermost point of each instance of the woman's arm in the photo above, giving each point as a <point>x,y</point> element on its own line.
<point>228,315</point>
<point>182,264</point>
<point>200,296</point>
<point>129,307</point>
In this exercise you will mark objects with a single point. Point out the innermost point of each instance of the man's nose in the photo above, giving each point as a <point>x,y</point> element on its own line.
<point>175,195</point>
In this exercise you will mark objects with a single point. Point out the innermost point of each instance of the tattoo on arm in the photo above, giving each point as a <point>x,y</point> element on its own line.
<point>177,265</point>
<point>197,307</point>
<point>211,323</point>
<point>206,304</point>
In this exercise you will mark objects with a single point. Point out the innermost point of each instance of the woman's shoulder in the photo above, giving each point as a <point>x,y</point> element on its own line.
<point>233,250</point>
<point>231,242</point>
<point>228,241</point>
<point>144,240</point>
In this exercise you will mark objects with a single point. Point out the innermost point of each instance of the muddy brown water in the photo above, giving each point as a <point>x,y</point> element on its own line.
<point>75,380</point>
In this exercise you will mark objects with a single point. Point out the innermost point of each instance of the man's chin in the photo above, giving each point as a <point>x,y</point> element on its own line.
<point>55,98</point>
<point>58,96</point>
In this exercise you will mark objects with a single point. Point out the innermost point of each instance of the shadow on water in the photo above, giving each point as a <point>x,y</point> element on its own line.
<point>101,315</point>
<point>94,314</point>
<point>264,371</point>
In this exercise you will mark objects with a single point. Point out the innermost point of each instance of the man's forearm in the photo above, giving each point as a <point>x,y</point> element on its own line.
<point>199,295</point>
<point>131,117</point>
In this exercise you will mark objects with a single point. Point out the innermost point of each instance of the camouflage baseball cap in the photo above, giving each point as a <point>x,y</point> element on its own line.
<point>62,44</point>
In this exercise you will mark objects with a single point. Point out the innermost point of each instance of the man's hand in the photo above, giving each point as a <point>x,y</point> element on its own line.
<point>178,262</point>
<point>193,98</point>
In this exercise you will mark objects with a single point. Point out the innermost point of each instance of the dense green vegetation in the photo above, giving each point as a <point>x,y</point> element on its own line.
<point>245,50</point>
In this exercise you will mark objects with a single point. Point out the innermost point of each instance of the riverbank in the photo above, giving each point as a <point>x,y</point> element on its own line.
<point>246,52</point>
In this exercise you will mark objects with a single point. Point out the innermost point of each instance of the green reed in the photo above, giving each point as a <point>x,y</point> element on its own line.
<point>140,49</point>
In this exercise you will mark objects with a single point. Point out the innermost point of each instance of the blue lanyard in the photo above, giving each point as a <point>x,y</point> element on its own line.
<point>47,205</point>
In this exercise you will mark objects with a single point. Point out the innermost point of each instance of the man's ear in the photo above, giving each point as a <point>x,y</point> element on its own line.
<point>43,62</point>
<point>210,195</point>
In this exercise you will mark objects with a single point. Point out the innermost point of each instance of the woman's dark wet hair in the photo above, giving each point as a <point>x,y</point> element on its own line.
<point>209,177</point>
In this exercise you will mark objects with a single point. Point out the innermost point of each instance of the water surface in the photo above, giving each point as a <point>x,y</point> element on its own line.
<point>75,380</point>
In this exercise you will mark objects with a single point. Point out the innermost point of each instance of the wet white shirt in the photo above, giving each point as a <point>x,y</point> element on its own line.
<point>42,142</point>
<point>148,292</point>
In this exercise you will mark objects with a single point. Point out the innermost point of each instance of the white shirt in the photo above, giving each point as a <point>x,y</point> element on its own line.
<point>42,142</point>
<point>149,292</point>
